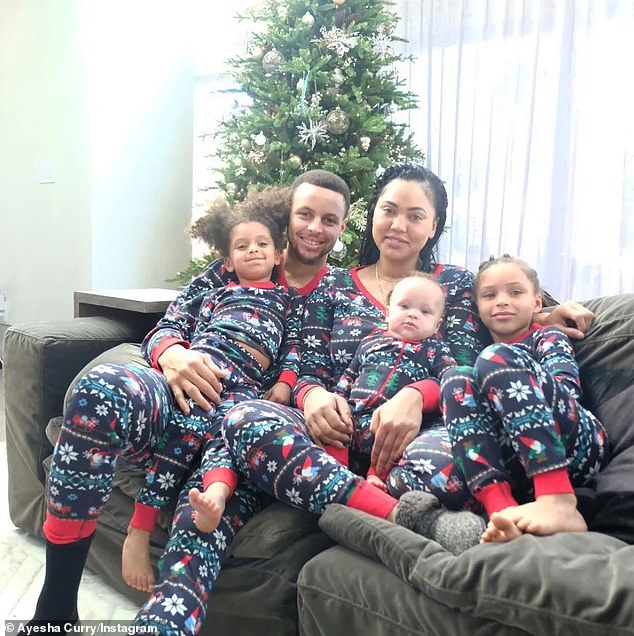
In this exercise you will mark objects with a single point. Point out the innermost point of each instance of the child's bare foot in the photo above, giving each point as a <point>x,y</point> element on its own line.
<point>135,560</point>
<point>500,529</point>
<point>546,515</point>
<point>549,514</point>
<point>375,480</point>
<point>209,505</point>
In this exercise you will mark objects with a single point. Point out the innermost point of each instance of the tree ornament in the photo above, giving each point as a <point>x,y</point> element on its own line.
<point>339,250</point>
<point>257,53</point>
<point>299,87</point>
<point>259,139</point>
<point>314,132</point>
<point>337,77</point>
<point>272,61</point>
<point>282,12</point>
<point>337,121</point>
<point>294,161</point>
<point>339,3</point>
<point>308,19</point>
<point>337,40</point>
<point>245,144</point>
<point>231,189</point>
<point>365,142</point>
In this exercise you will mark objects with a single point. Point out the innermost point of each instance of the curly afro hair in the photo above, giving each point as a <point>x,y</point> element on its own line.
<point>271,207</point>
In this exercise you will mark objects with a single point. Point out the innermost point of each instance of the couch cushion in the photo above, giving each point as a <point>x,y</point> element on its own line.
<point>569,583</point>
<point>606,354</point>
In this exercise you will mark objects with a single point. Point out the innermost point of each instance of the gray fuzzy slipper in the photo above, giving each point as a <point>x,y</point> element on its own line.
<point>454,531</point>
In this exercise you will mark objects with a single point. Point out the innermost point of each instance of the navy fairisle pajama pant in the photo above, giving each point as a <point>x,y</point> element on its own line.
<point>509,419</point>
<point>128,410</point>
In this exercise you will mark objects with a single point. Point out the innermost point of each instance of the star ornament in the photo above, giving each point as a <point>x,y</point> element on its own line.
<point>312,133</point>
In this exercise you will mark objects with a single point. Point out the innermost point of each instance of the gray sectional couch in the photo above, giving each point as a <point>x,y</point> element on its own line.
<point>348,573</point>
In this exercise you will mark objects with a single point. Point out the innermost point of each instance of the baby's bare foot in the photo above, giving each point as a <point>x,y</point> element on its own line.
<point>208,506</point>
<point>549,514</point>
<point>135,560</point>
<point>501,528</point>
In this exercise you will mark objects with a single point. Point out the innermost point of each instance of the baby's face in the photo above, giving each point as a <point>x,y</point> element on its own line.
<point>415,309</point>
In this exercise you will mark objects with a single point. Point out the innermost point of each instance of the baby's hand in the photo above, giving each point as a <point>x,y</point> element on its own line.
<point>375,480</point>
<point>279,393</point>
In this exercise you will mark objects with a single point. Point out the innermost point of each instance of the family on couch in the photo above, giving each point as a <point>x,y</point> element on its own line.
<point>279,450</point>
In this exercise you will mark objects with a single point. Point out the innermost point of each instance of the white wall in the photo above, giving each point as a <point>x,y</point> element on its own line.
<point>97,96</point>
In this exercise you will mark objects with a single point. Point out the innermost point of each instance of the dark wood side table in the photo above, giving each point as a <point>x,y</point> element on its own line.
<point>144,307</point>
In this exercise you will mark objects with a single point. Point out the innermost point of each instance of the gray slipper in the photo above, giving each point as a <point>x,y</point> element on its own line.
<point>455,531</point>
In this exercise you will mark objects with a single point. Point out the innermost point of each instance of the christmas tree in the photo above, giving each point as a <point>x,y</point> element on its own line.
<point>324,92</point>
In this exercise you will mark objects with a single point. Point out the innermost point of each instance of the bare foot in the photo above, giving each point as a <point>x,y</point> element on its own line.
<point>375,480</point>
<point>549,514</point>
<point>135,560</point>
<point>209,505</point>
<point>500,529</point>
<point>546,515</point>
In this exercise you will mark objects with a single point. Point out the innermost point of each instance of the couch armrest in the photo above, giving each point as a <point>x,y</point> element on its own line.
<point>40,361</point>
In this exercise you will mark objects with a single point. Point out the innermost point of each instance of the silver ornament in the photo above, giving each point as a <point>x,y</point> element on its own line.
<point>339,250</point>
<point>259,139</point>
<point>337,121</point>
<point>364,142</point>
<point>337,77</point>
<point>272,61</point>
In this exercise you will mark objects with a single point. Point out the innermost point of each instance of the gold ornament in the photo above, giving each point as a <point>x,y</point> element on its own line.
<point>308,19</point>
<point>300,85</point>
<point>294,161</point>
<point>245,144</point>
<point>272,61</point>
<point>339,3</point>
<point>282,13</point>
<point>337,121</point>
<point>257,53</point>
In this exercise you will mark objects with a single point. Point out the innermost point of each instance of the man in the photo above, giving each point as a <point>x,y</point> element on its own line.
<point>320,202</point>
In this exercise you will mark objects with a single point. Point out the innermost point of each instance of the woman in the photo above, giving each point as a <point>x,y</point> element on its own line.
<point>280,449</point>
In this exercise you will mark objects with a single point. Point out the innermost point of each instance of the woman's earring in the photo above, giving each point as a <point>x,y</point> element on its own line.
<point>339,250</point>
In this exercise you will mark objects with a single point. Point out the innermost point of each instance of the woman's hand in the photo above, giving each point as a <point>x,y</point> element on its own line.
<point>328,417</point>
<point>395,424</point>
<point>280,393</point>
<point>572,318</point>
<point>191,374</point>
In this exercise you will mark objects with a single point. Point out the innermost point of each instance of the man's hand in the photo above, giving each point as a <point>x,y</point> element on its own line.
<point>572,318</point>
<point>280,393</point>
<point>395,424</point>
<point>328,417</point>
<point>191,374</point>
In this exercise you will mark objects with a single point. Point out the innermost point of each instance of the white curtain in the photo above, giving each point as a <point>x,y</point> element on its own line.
<point>526,110</point>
